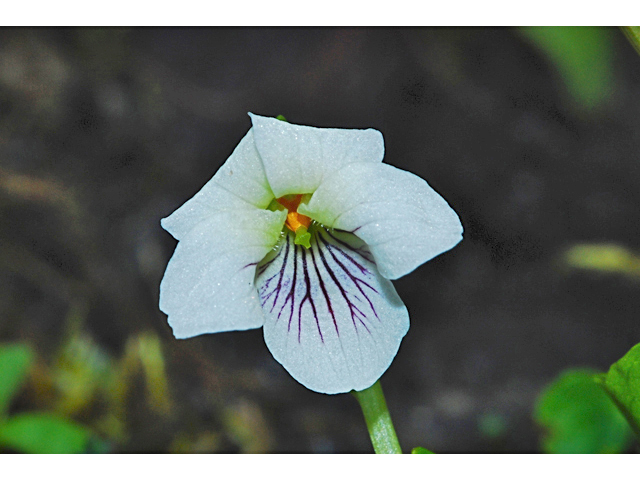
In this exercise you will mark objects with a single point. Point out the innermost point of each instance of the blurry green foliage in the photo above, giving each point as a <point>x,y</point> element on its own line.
<point>577,416</point>
<point>607,258</point>
<point>34,432</point>
<point>81,370</point>
<point>622,382</point>
<point>85,378</point>
<point>492,425</point>
<point>247,427</point>
<point>15,362</point>
<point>42,432</point>
<point>421,450</point>
<point>204,442</point>
<point>149,350</point>
<point>81,377</point>
<point>143,354</point>
<point>633,35</point>
<point>583,56</point>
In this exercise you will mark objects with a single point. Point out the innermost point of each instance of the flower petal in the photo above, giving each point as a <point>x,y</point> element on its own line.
<point>331,320</point>
<point>208,286</point>
<point>403,221</point>
<point>240,183</point>
<point>298,158</point>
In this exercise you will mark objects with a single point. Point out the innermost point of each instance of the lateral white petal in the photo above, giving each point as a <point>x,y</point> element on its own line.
<point>208,286</point>
<point>240,183</point>
<point>298,158</point>
<point>331,319</point>
<point>401,218</point>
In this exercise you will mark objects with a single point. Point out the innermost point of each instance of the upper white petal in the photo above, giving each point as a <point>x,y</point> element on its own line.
<point>401,218</point>
<point>331,319</point>
<point>208,286</point>
<point>240,183</point>
<point>298,158</point>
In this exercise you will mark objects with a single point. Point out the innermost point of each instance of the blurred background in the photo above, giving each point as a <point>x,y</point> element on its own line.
<point>532,135</point>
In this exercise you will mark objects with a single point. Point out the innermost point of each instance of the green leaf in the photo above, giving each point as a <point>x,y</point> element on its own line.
<point>15,362</point>
<point>622,383</point>
<point>43,433</point>
<point>633,35</point>
<point>583,57</point>
<point>421,450</point>
<point>577,416</point>
<point>281,118</point>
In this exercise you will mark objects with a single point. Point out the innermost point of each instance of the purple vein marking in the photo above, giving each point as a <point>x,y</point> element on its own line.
<point>356,313</point>
<point>363,270</point>
<point>360,251</point>
<point>307,297</point>
<point>356,281</point>
<point>264,266</point>
<point>331,249</point>
<point>292,291</point>
<point>293,268</point>
<point>278,288</point>
<point>324,290</point>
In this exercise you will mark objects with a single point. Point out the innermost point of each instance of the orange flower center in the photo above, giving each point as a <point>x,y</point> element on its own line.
<point>295,220</point>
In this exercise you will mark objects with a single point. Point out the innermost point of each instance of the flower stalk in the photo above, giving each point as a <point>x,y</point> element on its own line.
<point>376,415</point>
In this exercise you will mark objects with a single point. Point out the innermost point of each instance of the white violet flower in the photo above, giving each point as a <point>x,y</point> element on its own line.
<point>300,232</point>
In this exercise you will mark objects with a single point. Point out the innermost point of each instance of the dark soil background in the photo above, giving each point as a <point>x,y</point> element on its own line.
<point>105,131</point>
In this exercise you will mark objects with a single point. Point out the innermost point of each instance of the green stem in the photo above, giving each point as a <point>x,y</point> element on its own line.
<point>376,415</point>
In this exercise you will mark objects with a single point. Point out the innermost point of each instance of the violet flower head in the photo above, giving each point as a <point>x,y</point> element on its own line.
<point>300,232</point>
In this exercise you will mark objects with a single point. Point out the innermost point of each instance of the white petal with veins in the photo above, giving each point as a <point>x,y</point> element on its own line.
<point>208,286</point>
<point>331,319</point>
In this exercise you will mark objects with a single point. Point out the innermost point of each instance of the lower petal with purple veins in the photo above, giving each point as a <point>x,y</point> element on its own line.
<point>331,319</point>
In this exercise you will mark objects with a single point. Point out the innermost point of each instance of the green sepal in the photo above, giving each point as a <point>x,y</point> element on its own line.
<point>281,118</point>
<point>274,206</point>
<point>303,237</point>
